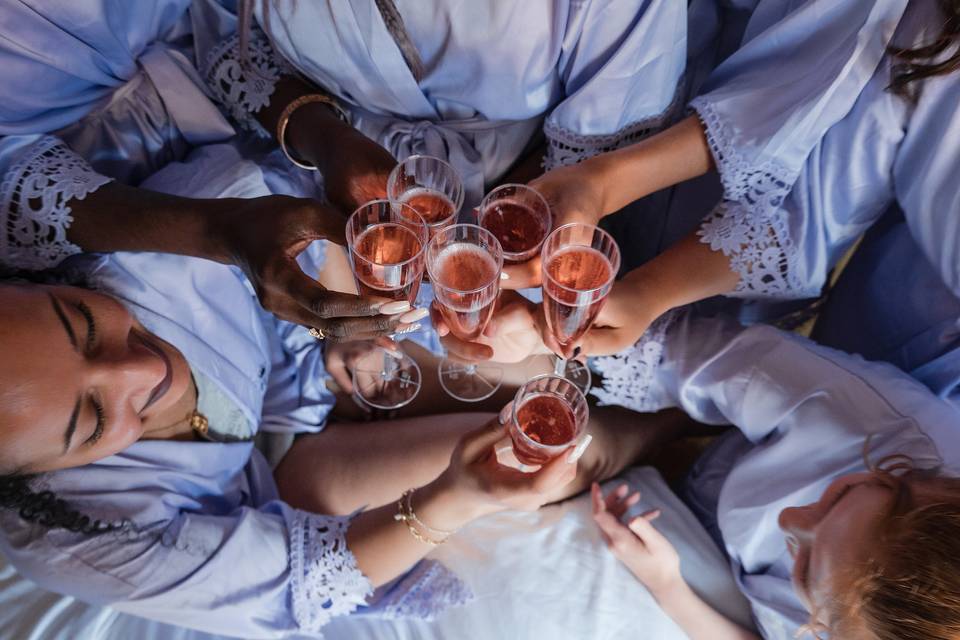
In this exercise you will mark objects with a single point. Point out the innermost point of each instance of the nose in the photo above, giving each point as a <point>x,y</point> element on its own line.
<point>799,523</point>
<point>130,369</point>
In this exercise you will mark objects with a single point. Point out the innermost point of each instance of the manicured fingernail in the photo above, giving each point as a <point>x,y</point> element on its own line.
<point>504,276</point>
<point>576,352</point>
<point>407,328</point>
<point>577,453</point>
<point>391,308</point>
<point>413,315</point>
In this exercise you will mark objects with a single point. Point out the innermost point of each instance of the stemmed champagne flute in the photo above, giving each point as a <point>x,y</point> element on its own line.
<point>429,185</point>
<point>464,262</point>
<point>579,264</point>
<point>386,241</point>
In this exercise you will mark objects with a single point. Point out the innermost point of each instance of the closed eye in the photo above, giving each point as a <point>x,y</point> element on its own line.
<point>101,419</point>
<point>91,340</point>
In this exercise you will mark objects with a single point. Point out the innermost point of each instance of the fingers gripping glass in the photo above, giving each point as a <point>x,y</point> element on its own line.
<point>579,265</point>
<point>464,262</point>
<point>386,241</point>
<point>429,185</point>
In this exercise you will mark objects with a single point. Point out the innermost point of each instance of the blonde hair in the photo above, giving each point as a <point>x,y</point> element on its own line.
<point>909,589</point>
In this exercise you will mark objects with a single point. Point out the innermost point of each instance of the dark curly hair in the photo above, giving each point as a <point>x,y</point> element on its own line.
<point>917,64</point>
<point>45,508</point>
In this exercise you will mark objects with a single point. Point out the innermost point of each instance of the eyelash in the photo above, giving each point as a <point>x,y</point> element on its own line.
<point>91,325</point>
<point>101,419</point>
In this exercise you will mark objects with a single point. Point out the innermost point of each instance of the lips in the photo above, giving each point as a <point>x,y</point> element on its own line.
<point>164,385</point>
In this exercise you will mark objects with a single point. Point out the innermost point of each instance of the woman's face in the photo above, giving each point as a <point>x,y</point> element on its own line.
<point>80,379</point>
<point>834,534</point>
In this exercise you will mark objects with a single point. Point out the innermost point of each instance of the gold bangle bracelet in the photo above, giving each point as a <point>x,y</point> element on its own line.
<point>406,515</point>
<point>288,112</point>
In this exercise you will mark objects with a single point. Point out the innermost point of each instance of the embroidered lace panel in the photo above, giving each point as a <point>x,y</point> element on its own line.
<point>425,592</point>
<point>326,580</point>
<point>565,147</point>
<point>628,375</point>
<point>242,83</point>
<point>34,204</point>
<point>750,225</point>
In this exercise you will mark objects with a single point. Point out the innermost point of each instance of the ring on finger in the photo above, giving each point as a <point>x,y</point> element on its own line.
<point>317,333</point>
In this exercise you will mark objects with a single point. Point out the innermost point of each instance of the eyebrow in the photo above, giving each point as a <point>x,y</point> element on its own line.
<point>63,319</point>
<point>71,426</point>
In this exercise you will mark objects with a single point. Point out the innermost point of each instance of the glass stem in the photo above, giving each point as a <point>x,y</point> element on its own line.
<point>471,369</point>
<point>390,366</point>
<point>559,366</point>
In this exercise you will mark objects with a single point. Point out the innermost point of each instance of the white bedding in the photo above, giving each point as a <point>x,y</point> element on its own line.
<point>536,576</point>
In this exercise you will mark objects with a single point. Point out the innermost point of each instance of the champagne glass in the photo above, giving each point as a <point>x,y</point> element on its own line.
<point>464,263</point>
<point>386,241</point>
<point>579,264</point>
<point>549,415</point>
<point>429,185</point>
<point>520,219</point>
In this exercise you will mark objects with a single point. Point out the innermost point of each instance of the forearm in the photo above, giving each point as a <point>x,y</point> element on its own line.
<point>660,161</point>
<point>385,548</point>
<point>698,619</point>
<point>687,272</point>
<point>118,217</point>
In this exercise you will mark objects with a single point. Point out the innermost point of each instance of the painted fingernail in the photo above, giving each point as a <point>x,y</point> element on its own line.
<point>504,276</point>
<point>407,328</point>
<point>576,352</point>
<point>413,315</point>
<point>577,453</point>
<point>391,308</point>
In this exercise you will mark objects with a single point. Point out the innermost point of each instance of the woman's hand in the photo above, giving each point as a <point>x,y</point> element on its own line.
<point>637,544</point>
<point>512,335</point>
<point>477,479</point>
<point>358,173</point>
<point>340,359</point>
<point>264,236</point>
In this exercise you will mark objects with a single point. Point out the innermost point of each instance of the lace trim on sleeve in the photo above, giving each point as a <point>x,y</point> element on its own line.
<point>564,147</point>
<point>628,375</point>
<point>244,84</point>
<point>34,204</point>
<point>750,225</point>
<point>326,580</point>
<point>424,593</point>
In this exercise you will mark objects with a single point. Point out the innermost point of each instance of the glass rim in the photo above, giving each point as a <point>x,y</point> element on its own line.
<point>394,176</point>
<point>579,427</point>
<point>419,383</point>
<point>499,259</point>
<point>486,201</point>
<point>424,237</point>
<point>614,265</point>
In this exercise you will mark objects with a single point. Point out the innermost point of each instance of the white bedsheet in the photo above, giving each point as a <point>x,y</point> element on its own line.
<point>536,576</point>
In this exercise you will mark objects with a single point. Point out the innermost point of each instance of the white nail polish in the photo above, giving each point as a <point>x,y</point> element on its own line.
<point>504,276</point>
<point>581,447</point>
<point>391,308</point>
<point>413,315</point>
<point>413,327</point>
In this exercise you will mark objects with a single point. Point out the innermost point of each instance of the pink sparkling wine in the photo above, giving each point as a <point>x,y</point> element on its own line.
<point>472,271</point>
<point>433,206</point>
<point>571,308</point>
<point>547,420</point>
<point>518,227</point>
<point>382,272</point>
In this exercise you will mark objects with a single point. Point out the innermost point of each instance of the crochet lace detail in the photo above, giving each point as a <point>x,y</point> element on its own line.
<point>565,147</point>
<point>750,225</point>
<point>326,580</point>
<point>34,204</point>
<point>425,592</point>
<point>628,375</point>
<point>242,83</point>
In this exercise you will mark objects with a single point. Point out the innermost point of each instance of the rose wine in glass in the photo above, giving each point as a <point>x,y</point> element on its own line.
<point>549,416</point>
<point>429,185</point>
<point>387,242</point>
<point>520,219</point>
<point>579,264</point>
<point>464,263</point>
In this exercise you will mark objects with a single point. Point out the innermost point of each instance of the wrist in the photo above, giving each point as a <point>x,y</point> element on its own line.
<point>313,131</point>
<point>442,506</point>
<point>673,594</point>
<point>648,293</point>
<point>214,228</point>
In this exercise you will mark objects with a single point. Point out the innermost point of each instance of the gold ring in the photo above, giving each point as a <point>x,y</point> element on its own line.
<point>317,333</point>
